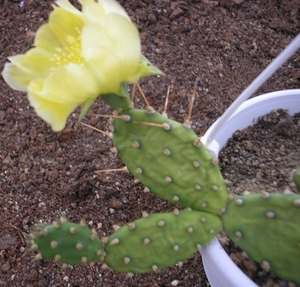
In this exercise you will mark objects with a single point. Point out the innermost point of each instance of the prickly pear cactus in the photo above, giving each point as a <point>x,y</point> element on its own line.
<point>160,240</point>
<point>169,159</point>
<point>267,228</point>
<point>66,242</point>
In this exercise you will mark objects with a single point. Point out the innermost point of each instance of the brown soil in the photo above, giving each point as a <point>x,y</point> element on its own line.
<point>42,174</point>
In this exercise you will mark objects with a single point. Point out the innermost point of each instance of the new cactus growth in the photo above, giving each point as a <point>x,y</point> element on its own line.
<point>267,228</point>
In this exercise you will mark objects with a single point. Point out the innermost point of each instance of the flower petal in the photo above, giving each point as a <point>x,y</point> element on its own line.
<point>111,6</point>
<point>65,25</point>
<point>121,38</point>
<point>55,114</point>
<point>65,4</point>
<point>85,3</point>
<point>70,84</point>
<point>46,40</point>
<point>15,77</point>
<point>105,68</point>
<point>24,68</point>
<point>144,69</point>
<point>94,13</point>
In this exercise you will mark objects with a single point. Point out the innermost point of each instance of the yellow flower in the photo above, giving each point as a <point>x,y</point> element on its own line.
<point>78,56</point>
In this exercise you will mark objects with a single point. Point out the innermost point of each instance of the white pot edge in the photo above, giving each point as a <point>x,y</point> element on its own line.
<point>248,113</point>
<point>221,271</point>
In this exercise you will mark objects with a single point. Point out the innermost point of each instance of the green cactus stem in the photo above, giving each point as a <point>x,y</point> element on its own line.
<point>296,178</point>
<point>159,240</point>
<point>267,228</point>
<point>66,242</point>
<point>169,159</point>
<point>118,102</point>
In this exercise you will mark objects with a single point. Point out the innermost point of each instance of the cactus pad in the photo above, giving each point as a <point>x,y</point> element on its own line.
<point>159,240</point>
<point>170,160</point>
<point>296,178</point>
<point>268,229</point>
<point>66,242</point>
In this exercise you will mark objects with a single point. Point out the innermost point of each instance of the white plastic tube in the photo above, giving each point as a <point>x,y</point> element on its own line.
<point>253,87</point>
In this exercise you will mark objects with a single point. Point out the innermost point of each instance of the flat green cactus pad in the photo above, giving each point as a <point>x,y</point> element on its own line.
<point>268,229</point>
<point>170,160</point>
<point>160,240</point>
<point>66,242</point>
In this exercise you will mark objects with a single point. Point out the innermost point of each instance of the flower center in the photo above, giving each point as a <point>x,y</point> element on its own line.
<point>70,53</point>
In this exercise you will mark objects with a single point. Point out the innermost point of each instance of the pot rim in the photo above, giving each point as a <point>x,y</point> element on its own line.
<point>219,268</point>
<point>248,113</point>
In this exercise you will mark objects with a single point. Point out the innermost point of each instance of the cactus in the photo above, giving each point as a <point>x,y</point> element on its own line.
<point>267,228</point>
<point>170,160</point>
<point>159,240</point>
<point>66,242</point>
<point>296,178</point>
<point>147,244</point>
<point>166,156</point>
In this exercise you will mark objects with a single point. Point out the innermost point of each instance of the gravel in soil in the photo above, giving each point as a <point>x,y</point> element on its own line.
<point>42,174</point>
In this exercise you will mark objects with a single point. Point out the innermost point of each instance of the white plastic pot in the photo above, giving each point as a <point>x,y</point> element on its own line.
<point>221,271</point>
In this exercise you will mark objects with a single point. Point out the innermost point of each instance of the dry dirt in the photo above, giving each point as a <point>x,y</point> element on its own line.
<point>225,43</point>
